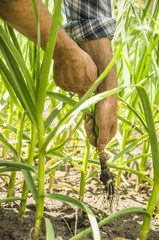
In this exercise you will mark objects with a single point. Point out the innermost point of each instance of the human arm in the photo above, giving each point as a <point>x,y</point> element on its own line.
<point>105,110</point>
<point>90,24</point>
<point>69,59</point>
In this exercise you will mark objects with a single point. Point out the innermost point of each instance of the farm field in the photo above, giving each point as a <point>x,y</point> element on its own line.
<point>64,216</point>
<point>51,178</point>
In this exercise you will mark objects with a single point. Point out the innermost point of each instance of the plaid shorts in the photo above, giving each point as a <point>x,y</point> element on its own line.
<point>89,19</point>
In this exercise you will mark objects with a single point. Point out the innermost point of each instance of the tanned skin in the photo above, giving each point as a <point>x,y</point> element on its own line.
<point>106,110</point>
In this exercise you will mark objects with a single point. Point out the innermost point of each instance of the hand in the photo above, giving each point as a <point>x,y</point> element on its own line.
<point>106,120</point>
<point>74,70</point>
<point>106,110</point>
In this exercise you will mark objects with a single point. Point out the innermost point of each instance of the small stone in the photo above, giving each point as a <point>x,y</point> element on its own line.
<point>59,238</point>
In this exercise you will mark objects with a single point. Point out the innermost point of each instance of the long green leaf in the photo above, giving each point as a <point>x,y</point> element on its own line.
<point>10,91</point>
<point>67,100</point>
<point>8,169</point>
<point>136,143</point>
<point>17,82</point>
<point>4,140</point>
<point>114,166</point>
<point>62,98</point>
<point>138,115</point>
<point>155,157</point>
<point>18,165</point>
<point>10,199</point>
<point>19,60</point>
<point>151,130</point>
<point>110,218</point>
<point>130,170</point>
<point>10,81</point>
<point>49,230</point>
<point>47,58</point>
<point>30,183</point>
<point>56,165</point>
<point>52,149</point>
<point>53,115</point>
<point>4,174</point>
<point>92,219</point>
<point>13,129</point>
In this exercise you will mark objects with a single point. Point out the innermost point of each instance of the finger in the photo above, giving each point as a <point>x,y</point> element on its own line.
<point>89,128</point>
<point>86,117</point>
<point>93,139</point>
<point>113,130</point>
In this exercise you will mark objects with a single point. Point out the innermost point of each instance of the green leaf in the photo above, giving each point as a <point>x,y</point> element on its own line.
<point>130,124</point>
<point>52,149</point>
<point>4,140</point>
<point>130,147</point>
<point>57,164</point>
<point>138,115</point>
<point>19,61</point>
<point>4,174</point>
<point>10,91</point>
<point>53,115</point>
<point>18,165</point>
<point>130,170</point>
<point>92,219</point>
<point>16,80</point>
<point>10,199</point>
<point>13,129</point>
<point>62,98</point>
<point>49,230</point>
<point>48,58</point>
<point>110,218</point>
<point>8,169</point>
<point>151,130</point>
<point>30,183</point>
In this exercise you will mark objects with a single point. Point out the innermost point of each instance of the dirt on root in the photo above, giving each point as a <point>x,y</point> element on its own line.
<point>65,218</point>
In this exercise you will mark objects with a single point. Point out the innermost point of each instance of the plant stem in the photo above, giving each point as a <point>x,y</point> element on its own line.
<point>41,178</point>
<point>42,81</point>
<point>118,180</point>
<point>22,206</point>
<point>9,120</point>
<point>155,153</point>
<point>3,89</point>
<point>17,147</point>
<point>142,164</point>
<point>150,210</point>
<point>84,172</point>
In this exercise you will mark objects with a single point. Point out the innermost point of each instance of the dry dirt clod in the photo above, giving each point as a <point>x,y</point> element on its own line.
<point>59,238</point>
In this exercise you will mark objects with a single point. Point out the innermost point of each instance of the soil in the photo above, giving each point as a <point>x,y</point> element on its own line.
<point>64,217</point>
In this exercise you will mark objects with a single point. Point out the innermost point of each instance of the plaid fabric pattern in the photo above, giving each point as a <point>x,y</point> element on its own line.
<point>89,19</point>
